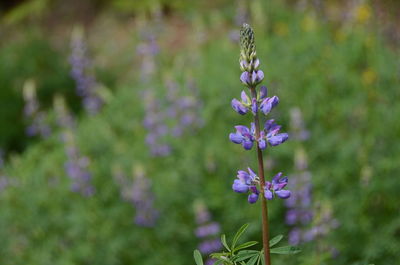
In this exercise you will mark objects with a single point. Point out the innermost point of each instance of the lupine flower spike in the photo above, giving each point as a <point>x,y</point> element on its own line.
<point>257,102</point>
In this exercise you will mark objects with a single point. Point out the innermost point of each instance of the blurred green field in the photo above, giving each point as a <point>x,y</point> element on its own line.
<point>342,74</point>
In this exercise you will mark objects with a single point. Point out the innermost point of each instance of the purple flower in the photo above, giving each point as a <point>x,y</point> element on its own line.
<point>238,106</point>
<point>276,187</point>
<point>268,103</point>
<point>253,78</point>
<point>253,197</point>
<point>241,106</point>
<point>246,182</point>
<point>244,136</point>
<point>272,135</point>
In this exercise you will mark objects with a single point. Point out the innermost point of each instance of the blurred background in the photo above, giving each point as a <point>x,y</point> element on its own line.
<point>115,115</point>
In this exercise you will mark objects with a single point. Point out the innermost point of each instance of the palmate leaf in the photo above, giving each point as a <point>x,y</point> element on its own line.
<point>239,234</point>
<point>253,260</point>
<point>197,257</point>
<point>287,250</point>
<point>275,240</point>
<point>223,241</point>
<point>245,245</point>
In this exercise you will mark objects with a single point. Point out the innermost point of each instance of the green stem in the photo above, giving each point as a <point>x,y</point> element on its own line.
<point>264,205</point>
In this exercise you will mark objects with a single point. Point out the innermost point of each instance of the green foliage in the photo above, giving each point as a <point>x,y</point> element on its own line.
<point>237,255</point>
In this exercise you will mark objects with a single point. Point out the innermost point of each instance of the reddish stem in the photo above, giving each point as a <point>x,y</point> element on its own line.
<point>264,206</point>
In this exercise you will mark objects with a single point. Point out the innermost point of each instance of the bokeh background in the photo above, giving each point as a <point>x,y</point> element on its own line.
<point>115,115</point>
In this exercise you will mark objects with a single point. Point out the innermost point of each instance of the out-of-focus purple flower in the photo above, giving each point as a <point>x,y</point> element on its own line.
<point>76,166</point>
<point>82,72</point>
<point>140,195</point>
<point>210,246</point>
<point>243,136</point>
<point>297,126</point>
<point>4,182</point>
<point>276,187</point>
<point>207,231</point>
<point>295,236</point>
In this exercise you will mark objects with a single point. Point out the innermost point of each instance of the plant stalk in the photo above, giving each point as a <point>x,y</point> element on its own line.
<point>264,205</point>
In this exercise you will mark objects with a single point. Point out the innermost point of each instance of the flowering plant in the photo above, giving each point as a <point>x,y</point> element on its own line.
<point>248,181</point>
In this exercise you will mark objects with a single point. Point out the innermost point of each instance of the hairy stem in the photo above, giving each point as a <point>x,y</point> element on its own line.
<point>264,206</point>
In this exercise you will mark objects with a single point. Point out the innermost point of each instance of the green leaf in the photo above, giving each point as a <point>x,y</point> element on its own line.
<point>287,250</point>
<point>223,241</point>
<point>275,240</point>
<point>246,245</point>
<point>197,257</point>
<point>241,257</point>
<point>253,260</point>
<point>239,234</point>
<point>218,254</point>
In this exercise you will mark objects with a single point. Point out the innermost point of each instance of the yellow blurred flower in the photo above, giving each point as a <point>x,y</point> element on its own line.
<point>369,77</point>
<point>363,13</point>
<point>281,29</point>
<point>308,24</point>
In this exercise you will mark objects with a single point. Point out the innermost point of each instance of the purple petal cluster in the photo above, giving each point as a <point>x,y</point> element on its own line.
<point>248,182</point>
<point>76,166</point>
<point>207,231</point>
<point>138,192</point>
<point>269,136</point>
<point>262,102</point>
<point>276,187</point>
<point>82,72</point>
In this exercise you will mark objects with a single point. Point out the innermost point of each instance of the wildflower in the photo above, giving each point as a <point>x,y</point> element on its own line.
<point>268,103</point>
<point>276,187</point>
<point>247,182</point>
<point>244,181</point>
<point>271,134</point>
<point>244,136</point>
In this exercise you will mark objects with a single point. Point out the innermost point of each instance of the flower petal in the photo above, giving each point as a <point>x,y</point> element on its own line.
<point>268,194</point>
<point>245,78</point>
<point>283,194</point>
<point>247,144</point>
<point>236,138</point>
<point>238,106</point>
<point>253,197</point>
<point>278,139</point>
<point>239,186</point>
<point>263,92</point>
<point>245,98</point>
